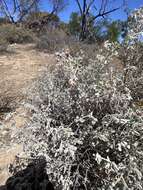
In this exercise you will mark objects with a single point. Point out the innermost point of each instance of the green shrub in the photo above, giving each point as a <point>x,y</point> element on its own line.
<point>3,45</point>
<point>4,20</point>
<point>42,15</point>
<point>14,34</point>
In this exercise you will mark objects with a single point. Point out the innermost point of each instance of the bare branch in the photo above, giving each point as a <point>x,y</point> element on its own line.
<point>79,5</point>
<point>104,14</point>
<point>101,7</point>
<point>58,5</point>
<point>25,12</point>
<point>89,6</point>
<point>7,11</point>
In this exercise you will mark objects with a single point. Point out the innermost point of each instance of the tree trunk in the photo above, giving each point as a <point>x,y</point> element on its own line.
<point>83,22</point>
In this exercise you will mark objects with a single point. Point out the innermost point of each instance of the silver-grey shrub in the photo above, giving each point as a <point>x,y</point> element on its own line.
<point>87,124</point>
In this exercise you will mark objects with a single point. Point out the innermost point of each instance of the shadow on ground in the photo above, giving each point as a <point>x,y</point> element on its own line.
<point>34,177</point>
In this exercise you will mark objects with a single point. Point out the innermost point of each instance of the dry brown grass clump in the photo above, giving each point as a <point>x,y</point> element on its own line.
<point>52,40</point>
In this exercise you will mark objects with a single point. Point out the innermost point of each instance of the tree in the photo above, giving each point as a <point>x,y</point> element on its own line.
<point>16,10</point>
<point>75,27</point>
<point>113,32</point>
<point>103,29</point>
<point>74,24</point>
<point>27,7</point>
<point>85,7</point>
<point>58,5</point>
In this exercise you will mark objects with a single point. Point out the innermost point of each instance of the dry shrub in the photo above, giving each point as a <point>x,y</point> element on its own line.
<point>87,51</point>
<point>52,40</point>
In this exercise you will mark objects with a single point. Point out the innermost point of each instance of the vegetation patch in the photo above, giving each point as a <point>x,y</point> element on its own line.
<point>86,124</point>
<point>87,121</point>
<point>10,33</point>
<point>52,40</point>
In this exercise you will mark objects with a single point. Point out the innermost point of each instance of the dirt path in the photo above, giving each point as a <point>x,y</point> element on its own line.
<point>17,72</point>
<point>19,68</point>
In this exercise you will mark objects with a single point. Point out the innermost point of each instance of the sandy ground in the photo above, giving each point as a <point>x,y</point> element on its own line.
<point>18,70</point>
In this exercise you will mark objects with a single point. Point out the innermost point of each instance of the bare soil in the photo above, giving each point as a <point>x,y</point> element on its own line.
<point>19,68</point>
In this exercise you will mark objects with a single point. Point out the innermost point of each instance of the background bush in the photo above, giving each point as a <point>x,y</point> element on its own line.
<point>13,34</point>
<point>52,40</point>
<point>3,45</point>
